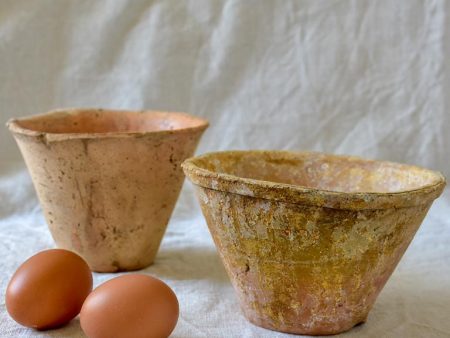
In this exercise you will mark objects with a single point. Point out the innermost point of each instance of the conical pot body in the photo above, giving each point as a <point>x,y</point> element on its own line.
<point>309,239</point>
<point>108,180</point>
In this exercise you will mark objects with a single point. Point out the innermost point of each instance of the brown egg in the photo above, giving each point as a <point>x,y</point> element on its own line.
<point>48,289</point>
<point>130,306</point>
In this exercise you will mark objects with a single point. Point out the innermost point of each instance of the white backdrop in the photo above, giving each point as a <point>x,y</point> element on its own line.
<point>368,78</point>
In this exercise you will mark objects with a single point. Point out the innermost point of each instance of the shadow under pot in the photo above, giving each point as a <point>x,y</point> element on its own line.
<point>108,180</point>
<point>310,239</point>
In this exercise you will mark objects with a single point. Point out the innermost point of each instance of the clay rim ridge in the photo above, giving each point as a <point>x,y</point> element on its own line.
<point>296,194</point>
<point>15,128</point>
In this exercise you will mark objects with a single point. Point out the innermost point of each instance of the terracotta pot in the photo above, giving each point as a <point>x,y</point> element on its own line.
<point>108,180</point>
<point>309,239</point>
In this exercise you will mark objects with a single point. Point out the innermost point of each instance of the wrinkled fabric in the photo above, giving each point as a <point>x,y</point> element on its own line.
<point>368,78</point>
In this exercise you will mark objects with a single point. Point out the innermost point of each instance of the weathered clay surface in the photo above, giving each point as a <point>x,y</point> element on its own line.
<point>108,180</point>
<point>310,239</point>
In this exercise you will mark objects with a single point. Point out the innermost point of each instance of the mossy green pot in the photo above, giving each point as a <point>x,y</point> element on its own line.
<point>310,239</point>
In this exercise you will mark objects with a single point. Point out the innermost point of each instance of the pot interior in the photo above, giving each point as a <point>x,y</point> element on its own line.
<point>89,121</point>
<point>320,171</point>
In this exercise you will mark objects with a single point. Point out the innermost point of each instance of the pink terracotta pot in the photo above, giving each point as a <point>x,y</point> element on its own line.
<point>309,239</point>
<point>108,180</point>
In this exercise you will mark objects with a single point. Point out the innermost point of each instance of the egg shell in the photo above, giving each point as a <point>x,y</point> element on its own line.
<point>130,306</point>
<point>48,289</point>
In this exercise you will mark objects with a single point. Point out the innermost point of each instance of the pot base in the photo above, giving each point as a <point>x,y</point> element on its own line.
<point>119,265</point>
<point>116,267</point>
<point>317,330</point>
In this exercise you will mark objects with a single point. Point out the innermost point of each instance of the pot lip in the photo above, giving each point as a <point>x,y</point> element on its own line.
<point>297,194</point>
<point>15,128</point>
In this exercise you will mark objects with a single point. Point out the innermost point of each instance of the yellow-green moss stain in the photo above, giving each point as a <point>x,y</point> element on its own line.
<point>297,266</point>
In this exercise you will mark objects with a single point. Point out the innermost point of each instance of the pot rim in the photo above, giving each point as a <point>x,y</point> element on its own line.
<point>297,194</point>
<point>14,125</point>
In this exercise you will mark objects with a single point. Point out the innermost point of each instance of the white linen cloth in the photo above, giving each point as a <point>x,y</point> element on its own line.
<point>366,78</point>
